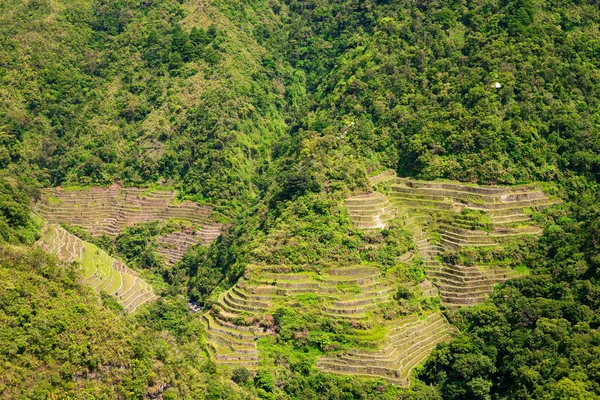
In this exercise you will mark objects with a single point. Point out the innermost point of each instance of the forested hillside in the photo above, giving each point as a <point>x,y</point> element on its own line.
<point>273,115</point>
<point>418,79</point>
<point>104,91</point>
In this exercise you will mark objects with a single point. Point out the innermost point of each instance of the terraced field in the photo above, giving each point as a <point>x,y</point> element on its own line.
<point>233,344</point>
<point>370,211</point>
<point>435,214</point>
<point>406,345</point>
<point>109,210</point>
<point>505,206</point>
<point>173,245</point>
<point>505,212</point>
<point>459,285</point>
<point>100,271</point>
<point>383,177</point>
<point>455,238</point>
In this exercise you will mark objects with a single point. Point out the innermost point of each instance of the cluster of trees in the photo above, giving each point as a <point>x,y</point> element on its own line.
<point>58,341</point>
<point>419,81</point>
<point>181,48</point>
<point>137,92</point>
<point>17,225</point>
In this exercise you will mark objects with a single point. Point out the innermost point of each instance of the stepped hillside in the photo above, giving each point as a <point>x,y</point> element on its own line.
<point>406,345</point>
<point>351,294</point>
<point>410,191</point>
<point>371,210</point>
<point>262,290</point>
<point>108,211</point>
<point>100,271</point>
<point>445,208</point>
<point>443,218</point>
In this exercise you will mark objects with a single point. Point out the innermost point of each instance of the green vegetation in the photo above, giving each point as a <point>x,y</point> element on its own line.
<point>137,246</point>
<point>57,341</point>
<point>16,223</point>
<point>276,113</point>
<point>536,338</point>
<point>99,270</point>
<point>135,92</point>
<point>416,84</point>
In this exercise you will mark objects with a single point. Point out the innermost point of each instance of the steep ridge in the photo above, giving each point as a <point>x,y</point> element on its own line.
<point>406,345</point>
<point>236,320</point>
<point>501,214</point>
<point>100,271</point>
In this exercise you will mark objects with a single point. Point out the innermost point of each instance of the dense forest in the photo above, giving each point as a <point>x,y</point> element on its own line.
<point>274,111</point>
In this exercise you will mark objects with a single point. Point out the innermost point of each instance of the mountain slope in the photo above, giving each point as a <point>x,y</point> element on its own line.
<point>277,113</point>
<point>96,91</point>
<point>417,81</point>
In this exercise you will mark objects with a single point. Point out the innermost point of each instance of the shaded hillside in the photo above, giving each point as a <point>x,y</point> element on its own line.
<point>58,342</point>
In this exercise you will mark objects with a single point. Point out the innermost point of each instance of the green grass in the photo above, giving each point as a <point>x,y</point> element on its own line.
<point>74,188</point>
<point>348,288</point>
<point>374,335</point>
<point>97,261</point>
<point>89,266</point>
<point>309,299</point>
<point>522,269</point>
<point>53,200</point>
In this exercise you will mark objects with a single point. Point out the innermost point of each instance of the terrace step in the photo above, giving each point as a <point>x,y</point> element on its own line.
<point>100,271</point>
<point>407,346</point>
<point>370,211</point>
<point>382,177</point>
<point>110,210</point>
<point>460,285</point>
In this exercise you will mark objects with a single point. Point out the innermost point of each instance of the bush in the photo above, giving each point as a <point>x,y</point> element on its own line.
<point>403,293</point>
<point>240,375</point>
<point>264,380</point>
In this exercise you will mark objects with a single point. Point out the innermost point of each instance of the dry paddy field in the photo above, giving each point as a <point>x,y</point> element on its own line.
<point>108,210</point>
<point>505,210</point>
<point>407,342</point>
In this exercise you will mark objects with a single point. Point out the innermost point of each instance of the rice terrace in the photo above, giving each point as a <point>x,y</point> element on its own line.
<point>300,199</point>
<point>107,211</point>
<point>458,216</point>
<point>440,216</point>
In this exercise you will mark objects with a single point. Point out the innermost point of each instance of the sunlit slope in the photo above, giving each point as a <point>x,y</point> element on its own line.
<point>352,294</point>
<point>100,271</point>
<point>449,217</point>
<point>109,210</point>
<point>407,344</point>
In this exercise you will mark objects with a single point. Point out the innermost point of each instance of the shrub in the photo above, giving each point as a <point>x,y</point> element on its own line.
<point>264,380</point>
<point>240,375</point>
<point>403,293</point>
